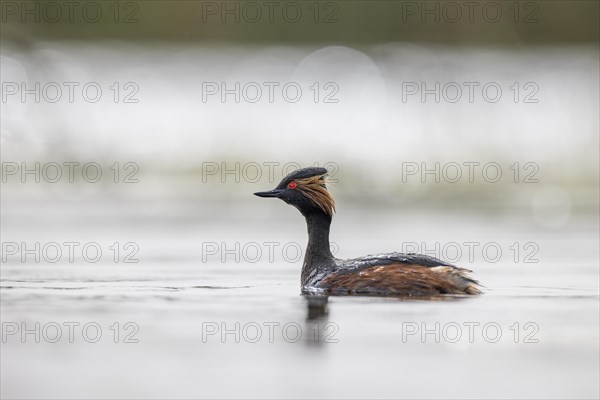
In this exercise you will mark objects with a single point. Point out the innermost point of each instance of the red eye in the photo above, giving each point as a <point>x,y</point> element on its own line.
<point>292,185</point>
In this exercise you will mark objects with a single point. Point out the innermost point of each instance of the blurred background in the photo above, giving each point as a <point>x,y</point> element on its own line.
<point>448,128</point>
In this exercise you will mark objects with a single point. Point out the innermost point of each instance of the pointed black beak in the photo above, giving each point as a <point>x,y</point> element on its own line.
<point>270,193</point>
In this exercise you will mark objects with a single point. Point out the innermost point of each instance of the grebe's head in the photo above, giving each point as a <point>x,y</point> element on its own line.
<point>305,189</point>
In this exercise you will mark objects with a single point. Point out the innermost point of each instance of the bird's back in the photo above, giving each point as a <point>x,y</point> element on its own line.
<point>396,274</point>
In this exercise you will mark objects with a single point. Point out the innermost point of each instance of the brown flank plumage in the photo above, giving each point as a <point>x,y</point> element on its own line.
<point>401,280</point>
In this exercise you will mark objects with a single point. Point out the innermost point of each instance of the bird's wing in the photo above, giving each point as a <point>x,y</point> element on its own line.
<point>399,274</point>
<point>393,258</point>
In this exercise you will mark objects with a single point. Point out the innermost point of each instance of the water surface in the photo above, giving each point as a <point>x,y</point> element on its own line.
<point>207,328</point>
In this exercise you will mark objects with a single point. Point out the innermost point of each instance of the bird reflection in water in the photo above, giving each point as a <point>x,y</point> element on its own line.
<point>319,330</point>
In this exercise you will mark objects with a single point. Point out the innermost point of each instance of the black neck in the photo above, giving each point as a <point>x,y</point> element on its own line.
<point>318,253</point>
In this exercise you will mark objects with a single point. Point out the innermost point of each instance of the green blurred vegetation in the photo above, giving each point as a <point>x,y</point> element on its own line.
<point>502,22</point>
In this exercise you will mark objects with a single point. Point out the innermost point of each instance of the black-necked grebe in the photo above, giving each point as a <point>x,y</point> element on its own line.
<point>392,274</point>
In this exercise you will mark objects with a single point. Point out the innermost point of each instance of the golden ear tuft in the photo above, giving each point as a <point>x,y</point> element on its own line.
<point>327,180</point>
<point>315,189</point>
